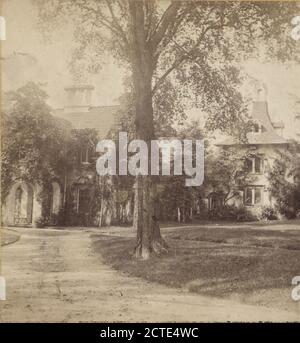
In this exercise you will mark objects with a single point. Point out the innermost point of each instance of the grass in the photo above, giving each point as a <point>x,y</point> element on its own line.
<point>216,261</point>
<point>8,236</point>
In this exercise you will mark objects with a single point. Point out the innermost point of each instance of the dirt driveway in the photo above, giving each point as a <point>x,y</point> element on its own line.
<point>53,276</point>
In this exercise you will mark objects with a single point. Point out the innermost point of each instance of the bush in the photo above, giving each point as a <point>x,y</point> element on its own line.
<point>41,222</point>
<point>203,214</point>
<point>232,212</point>
<point>268,213</point>
<point>58,218</point>
<point>288,211</point>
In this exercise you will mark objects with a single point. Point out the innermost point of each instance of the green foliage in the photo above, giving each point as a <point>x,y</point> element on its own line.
<point>268,213</point>
<point>192,47</point>
<point>232,213</point>
<point>284,182</point>
<point>226,171</point>
<point>32,138</point>
<point>41,222</point>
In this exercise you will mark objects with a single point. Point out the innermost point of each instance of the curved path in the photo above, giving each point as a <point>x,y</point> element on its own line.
<point>54,276</point>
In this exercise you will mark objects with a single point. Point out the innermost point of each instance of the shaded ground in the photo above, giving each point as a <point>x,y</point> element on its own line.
<point>55,276</point>
<point>254,265</point>
<point>8,236</point>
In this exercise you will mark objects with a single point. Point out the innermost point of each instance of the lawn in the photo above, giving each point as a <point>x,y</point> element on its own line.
<point>256,266</point>
<point>8,236</point>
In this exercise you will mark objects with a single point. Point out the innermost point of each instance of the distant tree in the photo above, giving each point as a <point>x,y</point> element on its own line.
<point>284,180</point>
<point>196,45</point>
<point>226,172</point>
<point>176,201</point>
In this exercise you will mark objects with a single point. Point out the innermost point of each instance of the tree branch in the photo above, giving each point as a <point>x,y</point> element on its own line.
<point>167,19</point>
<point>186,54</point>
<point>116,24</point>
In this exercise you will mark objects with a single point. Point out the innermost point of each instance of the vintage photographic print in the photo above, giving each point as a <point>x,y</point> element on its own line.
<point>150,162</point>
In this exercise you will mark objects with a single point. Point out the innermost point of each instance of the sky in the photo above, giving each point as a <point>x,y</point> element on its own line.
<point>27,56</point>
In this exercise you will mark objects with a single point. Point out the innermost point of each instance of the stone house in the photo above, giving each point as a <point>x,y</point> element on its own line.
<point>74,190</point>
<point>265,143</point>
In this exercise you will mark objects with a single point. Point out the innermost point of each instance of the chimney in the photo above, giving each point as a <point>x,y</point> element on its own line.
<point>260,92</point>
<point>79,98</point>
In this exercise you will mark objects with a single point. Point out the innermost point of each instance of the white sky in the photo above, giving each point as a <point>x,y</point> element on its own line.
<point>50,66</point>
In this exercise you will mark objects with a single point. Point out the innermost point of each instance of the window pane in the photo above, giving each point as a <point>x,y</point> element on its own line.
<point>257,195</point>
<point>249,163</point>
<point>248,196</point>
<point>257,165</point>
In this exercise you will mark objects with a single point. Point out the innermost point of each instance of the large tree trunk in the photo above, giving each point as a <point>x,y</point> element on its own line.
<point>149,239</point>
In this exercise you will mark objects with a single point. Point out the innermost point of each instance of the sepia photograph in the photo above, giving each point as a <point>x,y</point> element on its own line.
<point>150,164</point>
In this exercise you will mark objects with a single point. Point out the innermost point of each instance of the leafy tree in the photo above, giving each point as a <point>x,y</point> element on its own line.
<point>226,171</point>
<point>192,44</point>
<point>32,139</point>
<point>284,178</point>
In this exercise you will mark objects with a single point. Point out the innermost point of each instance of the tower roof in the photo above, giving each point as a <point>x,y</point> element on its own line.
<point>101,118</point>
<point>267,135</point>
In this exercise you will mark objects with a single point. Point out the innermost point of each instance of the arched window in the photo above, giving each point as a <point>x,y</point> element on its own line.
<point>18,202</point>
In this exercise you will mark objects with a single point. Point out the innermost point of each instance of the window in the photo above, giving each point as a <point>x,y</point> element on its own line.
<point>85,155</point>
<point>257,196</point>
<point>83,200</point>
<point>257,128</point>
<point>254,165</point>
<point>257,165</point>
<point>253,196</point>
<point>297,179</point>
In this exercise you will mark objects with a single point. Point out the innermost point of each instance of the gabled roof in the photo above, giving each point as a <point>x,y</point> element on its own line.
<point>101,118</point>
<point>268,135</point>
<point>256,138</point>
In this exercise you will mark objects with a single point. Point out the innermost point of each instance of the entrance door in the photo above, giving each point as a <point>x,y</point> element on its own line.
<point>23,205</point>
<point>84,205</point>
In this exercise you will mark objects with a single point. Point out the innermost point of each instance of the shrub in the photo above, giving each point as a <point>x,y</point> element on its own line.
<point>58,218</point>
<point>244,215</point>
<point>268,213</point>
<point>203,214</point>
<point>232,212</point>
<point>41,222</point>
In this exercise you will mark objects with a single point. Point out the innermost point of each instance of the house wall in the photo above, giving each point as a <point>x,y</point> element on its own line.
<point>29,206</point>
<point>269,153</point>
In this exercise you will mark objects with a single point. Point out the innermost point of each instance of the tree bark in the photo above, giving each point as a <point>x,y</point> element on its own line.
<point>149,239</point>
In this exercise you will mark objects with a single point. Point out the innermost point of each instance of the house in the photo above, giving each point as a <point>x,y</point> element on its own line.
<point>75,189</point>
<point>265,143</point>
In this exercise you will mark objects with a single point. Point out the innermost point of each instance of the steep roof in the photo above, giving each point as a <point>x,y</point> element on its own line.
<point>101,118</point>
<point>268,135</point>
<point>260,113</point>
<point>256,138</point>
